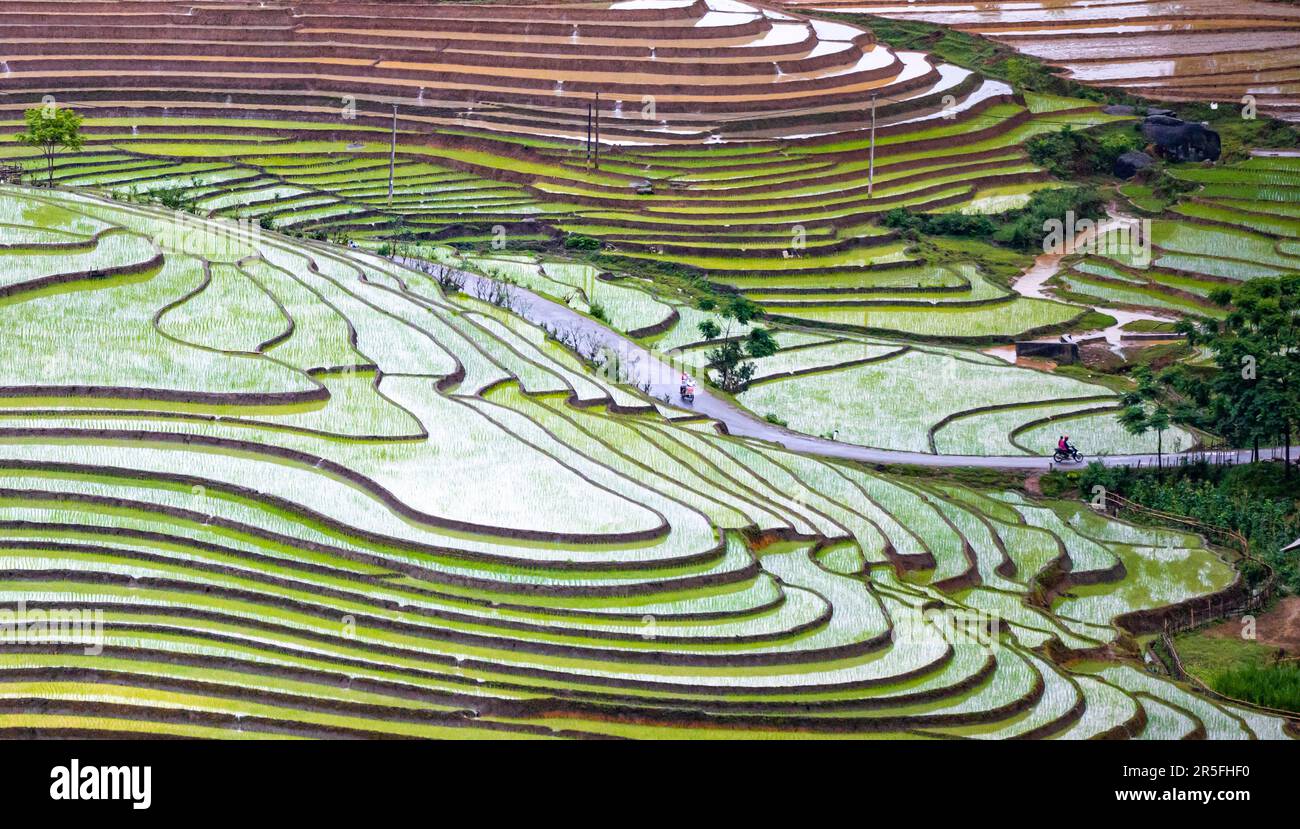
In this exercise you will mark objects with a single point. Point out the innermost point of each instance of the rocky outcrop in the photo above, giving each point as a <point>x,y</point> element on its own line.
<point>1131,163</point>
<point>1180,140</point>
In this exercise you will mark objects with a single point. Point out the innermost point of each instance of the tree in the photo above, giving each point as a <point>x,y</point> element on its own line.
<point>729,367</point>
<point>1134,420</point>
<point>1253,392</point>
<point>1145,410</point>
<point>1159,420</point>
<point>739,309</point>
<point>728,361</point>
<point>761,343</point>
<point>51,129</point>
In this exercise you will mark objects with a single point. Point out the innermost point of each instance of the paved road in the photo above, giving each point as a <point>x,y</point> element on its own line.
<point>643,365</point>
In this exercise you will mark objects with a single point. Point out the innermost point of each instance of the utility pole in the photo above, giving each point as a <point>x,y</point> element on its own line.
<point>588,145</point>
<point>597,147</point>
<point>871,159</point>
<point>392,157</point>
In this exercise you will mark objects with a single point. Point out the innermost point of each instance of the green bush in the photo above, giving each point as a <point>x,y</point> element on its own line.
<point>173,198</point>
<point>940,224</point>
<point>1169,188</point>
<point>1056,483</point>
<point>1273,686</point>
<point>576,241</point>
<point>1074,154</point>
<point>960,224</point>
<point>901,218</point>
<point>1024,229</point>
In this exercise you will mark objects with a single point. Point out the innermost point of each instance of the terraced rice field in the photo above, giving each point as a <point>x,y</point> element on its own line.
<point>373,509</point>
<point>802,243</point>
<point>666,70</point>
<point>1239,223</point>
<point>873,391</point>
<point>735,141</point>
<point>946,401</point>
<point>1195,50</point>
<point>857,278</point>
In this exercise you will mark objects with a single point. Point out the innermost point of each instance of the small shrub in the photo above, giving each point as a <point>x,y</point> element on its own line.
<point>450,280</point>
<point>173,198</point>
<point>576,241</point>
<point>1056,484</point>
<point>940,224</point>
<point>1071,153</point>
<point>1023,229</point>
<point>1169,188</point>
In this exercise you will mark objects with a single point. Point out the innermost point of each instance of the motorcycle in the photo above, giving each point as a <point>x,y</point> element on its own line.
<point>1071,456</point>
<point>687,389</point>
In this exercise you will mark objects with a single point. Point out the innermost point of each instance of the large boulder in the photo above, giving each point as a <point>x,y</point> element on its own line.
<point>1180,140</point>
<point>1131,163</point>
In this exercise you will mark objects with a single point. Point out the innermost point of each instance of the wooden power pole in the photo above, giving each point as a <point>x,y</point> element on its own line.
<point>392,157</point>
<point>871,159</point>
<point>588,143</point>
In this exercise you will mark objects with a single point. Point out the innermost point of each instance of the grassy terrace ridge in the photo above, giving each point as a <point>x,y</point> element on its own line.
<point>783,593</point>
<point>1235,223</point>
<point>813,204</point>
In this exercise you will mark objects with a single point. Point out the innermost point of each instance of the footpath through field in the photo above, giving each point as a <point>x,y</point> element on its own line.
<point>643,365</point>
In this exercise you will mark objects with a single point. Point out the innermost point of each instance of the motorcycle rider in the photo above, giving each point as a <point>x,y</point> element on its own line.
<point>1063,446</point>
<point>687,389</point>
